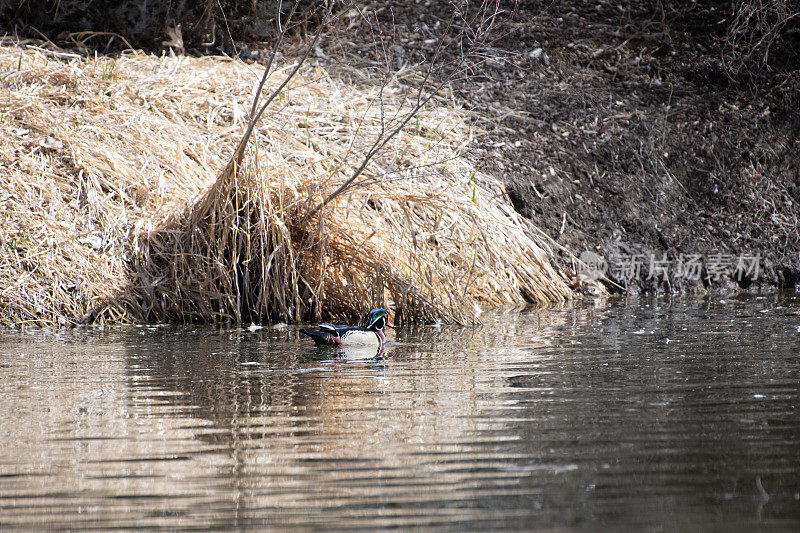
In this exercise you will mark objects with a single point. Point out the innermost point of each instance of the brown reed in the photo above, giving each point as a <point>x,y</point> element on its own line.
<point>113,207</point>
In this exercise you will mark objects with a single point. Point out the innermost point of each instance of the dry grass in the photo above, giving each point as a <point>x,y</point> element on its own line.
<point>113,206</point>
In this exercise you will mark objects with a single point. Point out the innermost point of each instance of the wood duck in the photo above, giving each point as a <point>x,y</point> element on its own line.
<point>370,333</point>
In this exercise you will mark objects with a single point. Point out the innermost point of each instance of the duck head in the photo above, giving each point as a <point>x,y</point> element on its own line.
<point>377,319</point>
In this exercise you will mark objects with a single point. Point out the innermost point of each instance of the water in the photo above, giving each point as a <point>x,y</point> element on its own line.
<point>650,415</point>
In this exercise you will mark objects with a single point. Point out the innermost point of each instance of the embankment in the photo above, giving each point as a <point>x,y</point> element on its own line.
<point>116,203</point>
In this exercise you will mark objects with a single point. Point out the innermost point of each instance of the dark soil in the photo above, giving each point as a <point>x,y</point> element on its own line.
<point>624,130</point>
<point>661,139</point>
<point>618,132</point>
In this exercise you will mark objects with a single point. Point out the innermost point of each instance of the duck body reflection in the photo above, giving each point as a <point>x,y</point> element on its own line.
<point>348,353</point>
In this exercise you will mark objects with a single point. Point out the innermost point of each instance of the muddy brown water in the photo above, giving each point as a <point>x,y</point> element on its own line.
<point>639,415</point>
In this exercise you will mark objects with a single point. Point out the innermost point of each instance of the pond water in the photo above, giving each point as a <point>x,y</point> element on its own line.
<point>645,415</point>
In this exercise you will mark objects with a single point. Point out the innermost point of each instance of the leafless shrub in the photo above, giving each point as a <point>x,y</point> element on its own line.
<point>255,249</point>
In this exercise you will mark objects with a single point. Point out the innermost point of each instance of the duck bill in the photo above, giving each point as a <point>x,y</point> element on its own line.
<point>389,323</point>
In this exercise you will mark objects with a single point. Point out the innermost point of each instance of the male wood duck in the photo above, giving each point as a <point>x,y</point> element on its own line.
<point>368,334</point>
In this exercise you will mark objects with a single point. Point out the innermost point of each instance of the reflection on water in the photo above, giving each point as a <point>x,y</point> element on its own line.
<point>645,415</point>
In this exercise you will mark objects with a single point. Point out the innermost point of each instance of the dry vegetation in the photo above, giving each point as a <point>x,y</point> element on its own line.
<point>113,206</point>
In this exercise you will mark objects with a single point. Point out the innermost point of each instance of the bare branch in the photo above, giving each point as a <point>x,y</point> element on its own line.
<point>239,154</point>
<point>281,33</point>
<point>470,39</point>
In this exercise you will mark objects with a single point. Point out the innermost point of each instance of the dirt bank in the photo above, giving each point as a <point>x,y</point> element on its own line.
<point>621,131</point>
<point>660,143</point>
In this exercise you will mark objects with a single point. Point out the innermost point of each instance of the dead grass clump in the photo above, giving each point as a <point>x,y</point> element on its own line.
<point>430,248</point>
<point>111,207</point>
<point>91,150</point>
